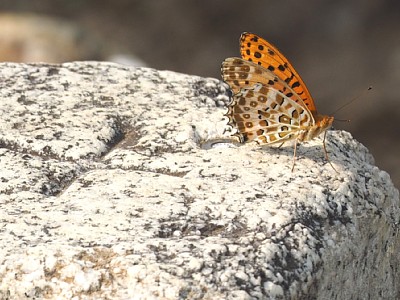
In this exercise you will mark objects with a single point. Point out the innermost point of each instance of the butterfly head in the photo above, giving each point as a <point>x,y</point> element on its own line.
<point>322,123</point>
<point>325,122</point>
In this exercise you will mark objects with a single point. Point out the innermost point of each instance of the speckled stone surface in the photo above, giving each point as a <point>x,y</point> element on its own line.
<point>112,187</point>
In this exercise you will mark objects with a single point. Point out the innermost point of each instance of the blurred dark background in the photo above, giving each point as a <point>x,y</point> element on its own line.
<point>339,47</point>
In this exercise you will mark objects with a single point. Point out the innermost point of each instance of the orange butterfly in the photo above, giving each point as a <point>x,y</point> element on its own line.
<point>271,103</point>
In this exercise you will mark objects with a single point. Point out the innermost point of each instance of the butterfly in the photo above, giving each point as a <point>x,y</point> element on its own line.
<point>270,102</point>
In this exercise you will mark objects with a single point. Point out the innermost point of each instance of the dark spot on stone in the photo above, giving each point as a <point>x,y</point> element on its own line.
<point>52,71</point>
<point>23,100</point>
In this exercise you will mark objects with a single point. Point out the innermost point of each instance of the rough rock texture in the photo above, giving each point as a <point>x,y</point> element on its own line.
<point>113,185</point>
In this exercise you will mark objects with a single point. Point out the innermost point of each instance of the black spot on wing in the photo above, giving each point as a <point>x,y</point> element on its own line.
<point>289,79</point>
<point>295,84</point>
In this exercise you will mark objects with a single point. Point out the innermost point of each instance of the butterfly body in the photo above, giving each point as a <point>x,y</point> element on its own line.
<point>270,102</point>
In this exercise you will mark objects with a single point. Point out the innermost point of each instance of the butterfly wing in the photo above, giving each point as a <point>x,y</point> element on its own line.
<point>239,73</point>
<point>255,49</point>
<point>265,115</point>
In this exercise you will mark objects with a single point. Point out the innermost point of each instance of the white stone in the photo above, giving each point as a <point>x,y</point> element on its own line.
<point>111,187</point>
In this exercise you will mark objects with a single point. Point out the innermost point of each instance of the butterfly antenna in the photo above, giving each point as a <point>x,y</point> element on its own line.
<point>341,120</point>
<point>350,102</point>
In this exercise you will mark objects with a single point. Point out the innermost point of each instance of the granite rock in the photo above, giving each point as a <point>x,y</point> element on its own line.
<point>123,183</point>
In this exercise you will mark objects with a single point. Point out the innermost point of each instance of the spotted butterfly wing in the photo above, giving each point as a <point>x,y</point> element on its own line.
<point>271,102</point>
<point>260,110</point>
<point>256,49</point>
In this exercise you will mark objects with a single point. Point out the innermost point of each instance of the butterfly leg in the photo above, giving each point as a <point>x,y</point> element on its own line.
<point>294,154</point>
<point>326,152</point>
<point>279,147</point>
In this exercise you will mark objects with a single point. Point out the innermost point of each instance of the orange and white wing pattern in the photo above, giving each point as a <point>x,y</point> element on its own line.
<point>260,110</point>
<point>270,101</point>
<point>256,49</point>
